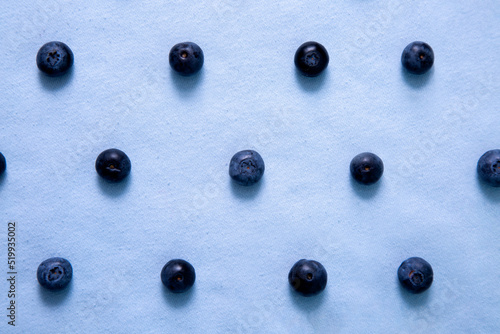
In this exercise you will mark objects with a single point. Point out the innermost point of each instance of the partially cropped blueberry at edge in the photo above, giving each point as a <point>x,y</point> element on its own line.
<point>246,167</point>
<point>311,58</point>
<point>54,273</point>
<point>113,165</point>
<point>488,167</point>
<point>417,57</point>
<point>3,163</point>
<point>54,58</point>
<point>186,58</point>
<point>308,277</point>
<point>178,275</point>
<point>366,168</point>
<point>415,274</point>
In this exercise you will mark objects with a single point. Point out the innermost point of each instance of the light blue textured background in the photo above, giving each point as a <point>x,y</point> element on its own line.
<point>180,134</point>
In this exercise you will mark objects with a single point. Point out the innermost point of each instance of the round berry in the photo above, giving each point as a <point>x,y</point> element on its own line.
<point>113,165</point>
<point>178,275</point>
<point>54,58</point>
<point>186,58</point>
<point>311,58</point>
<point>488,168</point>
<point>417,57</point>
<point>3,164</point>
<point>246,167</point>
<point>308,277</point>
<point>367,168</point>
<point>54,273</point>
<point>415,274</point>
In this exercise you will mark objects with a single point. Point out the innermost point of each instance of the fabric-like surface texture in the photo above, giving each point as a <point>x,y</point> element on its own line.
<point>181,132</point>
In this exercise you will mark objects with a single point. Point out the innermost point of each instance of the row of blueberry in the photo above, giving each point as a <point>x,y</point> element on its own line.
<point>247,167</point>
<point>306,277</point>
<point>311,58</point>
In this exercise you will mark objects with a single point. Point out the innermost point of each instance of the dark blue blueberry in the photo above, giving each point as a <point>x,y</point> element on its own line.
<point>311,59</point>
<point>3,164</point>
<point>246,167</point>
<point>415,274</point>
<point>186,58</point>
<point>308,277</point>
<point>367,168</point>
<point>178,275</point>
<point>54,273</point>
<point>417,57</point>
<point>113,165</point>
<point>488,168</point>
<point>54,58</point>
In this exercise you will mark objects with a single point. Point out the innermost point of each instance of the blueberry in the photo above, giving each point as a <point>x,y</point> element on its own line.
<point>307,277</point>
<point>417,57</point>
<point>415,274</point>
<point>488,168</point>
<point>54,273</point>
<point>311,59</point>
<point>186,58</point>
<point>246,167</point>
<point>113,165</point>
<point>367,168</point>
<point>54,58</point>
<point>3,163</point>
<point>178,275</point>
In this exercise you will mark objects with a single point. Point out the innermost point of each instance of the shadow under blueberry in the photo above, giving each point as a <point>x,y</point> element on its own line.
<point>2,179</point>
<point>311,84</point>
<point>246,192</point>
<point>54,298</point>
<point>55,83</point>
<point>177,300</point>
<point>414,299</point>
<point>492,194</point>
<point>307,303</point>
<point>417,81</point>
<point>187,84</point>
<point>113,189</point>
<point>365,191</point>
